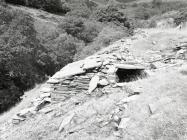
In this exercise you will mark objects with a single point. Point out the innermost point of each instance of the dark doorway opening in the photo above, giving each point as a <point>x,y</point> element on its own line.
<point>127,75</point>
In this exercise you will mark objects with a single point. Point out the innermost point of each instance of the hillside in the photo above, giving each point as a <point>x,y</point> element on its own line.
<point>97,69</point>
<point>150,108</point>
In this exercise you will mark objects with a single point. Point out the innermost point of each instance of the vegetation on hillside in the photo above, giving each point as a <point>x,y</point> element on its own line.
<point>24,59</point>
<point>28,57</point>
<point>49,5</point>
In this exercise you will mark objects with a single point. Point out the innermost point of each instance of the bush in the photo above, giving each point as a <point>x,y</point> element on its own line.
<point>145,13</point>
<point>157,3</point>
<point>73,26</point>
<point>16,48</point>
<point>111,14</point>
<point>181,18</point>
<point>90,31</point>
<point>80,12</point>
<point>108,35</point>
<point>77,27</point>
<point>24,59</point>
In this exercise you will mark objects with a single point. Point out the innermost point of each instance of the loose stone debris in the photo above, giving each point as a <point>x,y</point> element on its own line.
<point>38,104</point>
<point>87,75</point>
<point>106,72</point>
<point>66,121</point>
<point>93,83</point>
<point>123,123</point>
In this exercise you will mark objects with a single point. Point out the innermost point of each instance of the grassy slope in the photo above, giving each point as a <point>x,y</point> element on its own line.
<point>165,88</point>
<point>169,122</point>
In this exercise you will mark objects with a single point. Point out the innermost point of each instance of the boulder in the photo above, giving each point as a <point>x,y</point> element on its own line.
<point>93,83</point>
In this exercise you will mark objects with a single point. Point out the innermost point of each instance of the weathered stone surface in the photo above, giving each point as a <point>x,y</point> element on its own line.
<point>127,66</point>
<point>40,104</point>
<point>93,83</point>
<point>66,121</point>
<point>71,69</point>
<point>53,81</point>
<point>111,78</point>
<point>17,119</point>
<point>23,113</point>
<point>124,122</point>
<point>46,89</point>
<point>92,63</point>
<point>106,62</point>
<point>103,82</point>
<point>111,69</point>
<point>44,95</point>
<point>46,110</point>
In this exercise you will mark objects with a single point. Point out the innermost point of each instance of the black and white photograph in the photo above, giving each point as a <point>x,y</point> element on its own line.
<point>93,69</point>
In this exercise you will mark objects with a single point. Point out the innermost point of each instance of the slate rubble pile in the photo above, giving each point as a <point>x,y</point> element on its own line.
<point>98,73</point>
<point>86,75</point>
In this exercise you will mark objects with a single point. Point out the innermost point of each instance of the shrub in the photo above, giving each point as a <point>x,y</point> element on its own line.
<point>77,27</point>
<point>78,12</point>
<point>157,3</point>
<point>108,35</point>
<point>73,26</point>
<point>24,59</point>
<point>90,31</point>
<point>181,18</point>
<point>111,14</point>
<point>16,48</point>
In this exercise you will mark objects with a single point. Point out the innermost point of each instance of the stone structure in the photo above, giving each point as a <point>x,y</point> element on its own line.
<point>102,69</point>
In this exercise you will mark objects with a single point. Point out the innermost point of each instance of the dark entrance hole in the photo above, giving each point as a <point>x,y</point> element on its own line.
<point>127,75</point>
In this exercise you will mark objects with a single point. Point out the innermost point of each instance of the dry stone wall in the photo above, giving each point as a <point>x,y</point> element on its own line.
<point>92,72</point>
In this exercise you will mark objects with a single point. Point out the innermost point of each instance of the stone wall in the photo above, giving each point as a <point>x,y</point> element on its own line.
<point>95,71</point>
